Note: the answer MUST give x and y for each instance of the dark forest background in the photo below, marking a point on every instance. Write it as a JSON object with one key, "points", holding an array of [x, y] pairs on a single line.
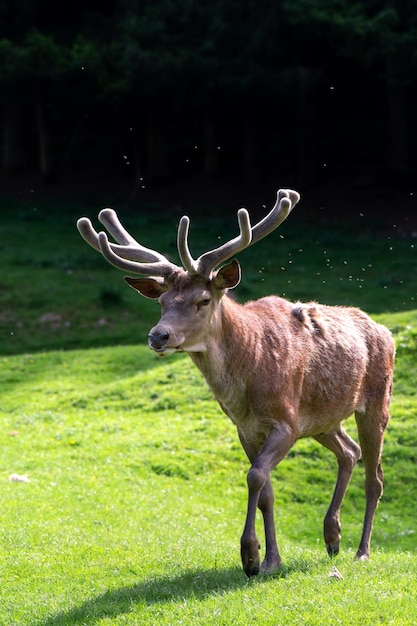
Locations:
{"points": [[155, 92]]}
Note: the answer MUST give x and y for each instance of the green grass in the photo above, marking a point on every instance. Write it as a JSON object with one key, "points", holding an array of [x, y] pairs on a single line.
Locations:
{"points": [[51, 270], [137, 483]]}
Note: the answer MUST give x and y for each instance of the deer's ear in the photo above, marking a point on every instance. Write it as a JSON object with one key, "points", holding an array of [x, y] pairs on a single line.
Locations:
{"points": [[148, 287], [228, 276]]}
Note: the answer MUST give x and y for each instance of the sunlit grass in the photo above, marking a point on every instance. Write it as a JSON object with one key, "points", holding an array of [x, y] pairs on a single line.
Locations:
{"points": [[136, 499], [136, 489]]}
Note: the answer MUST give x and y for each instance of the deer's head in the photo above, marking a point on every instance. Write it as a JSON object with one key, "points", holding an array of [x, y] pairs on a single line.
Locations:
{"points": [[188, 295]]}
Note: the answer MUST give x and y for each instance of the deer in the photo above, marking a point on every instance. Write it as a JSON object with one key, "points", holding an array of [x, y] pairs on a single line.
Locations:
{"points": [[279, 370]]}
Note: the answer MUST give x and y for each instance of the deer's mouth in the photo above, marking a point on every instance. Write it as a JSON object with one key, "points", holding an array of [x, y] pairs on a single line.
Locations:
{"points": [[166, 351]]}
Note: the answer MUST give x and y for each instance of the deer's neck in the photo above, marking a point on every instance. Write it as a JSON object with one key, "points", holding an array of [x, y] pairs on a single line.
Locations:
{"points": [[233, 339]]}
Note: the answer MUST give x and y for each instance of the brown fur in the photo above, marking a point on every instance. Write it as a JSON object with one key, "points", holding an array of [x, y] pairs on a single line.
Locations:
{"points": [[282, 371]]}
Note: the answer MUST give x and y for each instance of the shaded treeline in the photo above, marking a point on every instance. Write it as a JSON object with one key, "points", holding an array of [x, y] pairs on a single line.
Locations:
{"points": [[177, 89]]}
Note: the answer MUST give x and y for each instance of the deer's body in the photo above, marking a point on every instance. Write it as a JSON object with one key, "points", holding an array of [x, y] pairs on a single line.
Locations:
{"points": [[279, 370], [273, 353]]}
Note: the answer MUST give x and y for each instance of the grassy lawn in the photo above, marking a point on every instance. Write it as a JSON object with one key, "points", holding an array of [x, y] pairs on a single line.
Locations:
{"points": [[136, 489]]}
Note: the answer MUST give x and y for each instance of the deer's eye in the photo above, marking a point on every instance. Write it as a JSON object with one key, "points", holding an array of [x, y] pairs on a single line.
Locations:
{"points": [[204, 302]]}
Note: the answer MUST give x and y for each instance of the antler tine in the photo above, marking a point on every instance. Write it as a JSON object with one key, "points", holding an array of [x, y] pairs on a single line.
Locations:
{"points": [[129, 254], [162, 267], [88, 233], [131, 248], [109, 219], [182, 244], [286, 201], [208, 261]]}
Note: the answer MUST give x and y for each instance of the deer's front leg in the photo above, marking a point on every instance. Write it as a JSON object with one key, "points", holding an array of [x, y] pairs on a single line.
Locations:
{"points": [[276, 446]]}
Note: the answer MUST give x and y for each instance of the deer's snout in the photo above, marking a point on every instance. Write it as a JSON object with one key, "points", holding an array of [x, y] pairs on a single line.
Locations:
{"points": [[158, 339]]}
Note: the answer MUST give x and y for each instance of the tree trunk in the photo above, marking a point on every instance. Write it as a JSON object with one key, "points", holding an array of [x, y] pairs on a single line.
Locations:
{"points": [[251, 160], [44, 141], [397, 107], [14, 153], [156, 147], [305, 126], [210, 165]]}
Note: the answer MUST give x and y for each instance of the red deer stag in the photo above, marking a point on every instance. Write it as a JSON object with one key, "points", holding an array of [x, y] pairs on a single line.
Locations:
{"points": [[279, 370]]}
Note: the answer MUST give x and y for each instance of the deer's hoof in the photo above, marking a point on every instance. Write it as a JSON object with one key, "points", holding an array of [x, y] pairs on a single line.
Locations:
{"points": [[250, 557], [270, 566], [333, 548], [251, 568]]}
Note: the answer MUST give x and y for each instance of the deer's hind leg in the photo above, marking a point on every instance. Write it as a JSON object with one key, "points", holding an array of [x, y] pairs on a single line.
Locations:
{"points": [[371, 428], [347, 453]]}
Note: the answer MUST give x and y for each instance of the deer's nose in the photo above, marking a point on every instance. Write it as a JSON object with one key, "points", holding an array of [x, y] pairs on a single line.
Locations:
{"points": [[158, 340]]}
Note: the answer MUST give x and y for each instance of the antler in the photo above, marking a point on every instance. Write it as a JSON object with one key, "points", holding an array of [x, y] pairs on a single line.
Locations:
{"points": [[205, 264], [129, 255]]}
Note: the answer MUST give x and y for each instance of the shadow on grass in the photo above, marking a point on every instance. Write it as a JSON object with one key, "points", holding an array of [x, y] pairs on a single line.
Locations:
{"points": [[196, 584]]}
